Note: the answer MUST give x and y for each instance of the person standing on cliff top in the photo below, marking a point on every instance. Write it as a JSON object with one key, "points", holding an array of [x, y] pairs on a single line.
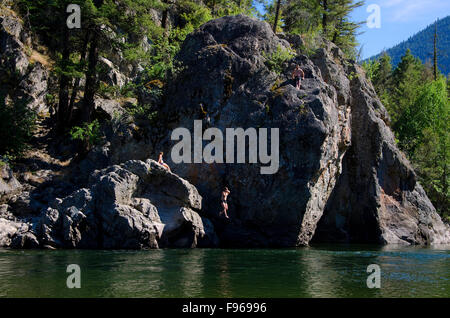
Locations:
{"points": [[161, 162], [225, 193], [296, 75]]}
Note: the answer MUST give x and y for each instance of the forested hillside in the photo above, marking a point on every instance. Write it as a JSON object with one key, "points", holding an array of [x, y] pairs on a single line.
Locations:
{"points": [[127, 49], [421, 46]]}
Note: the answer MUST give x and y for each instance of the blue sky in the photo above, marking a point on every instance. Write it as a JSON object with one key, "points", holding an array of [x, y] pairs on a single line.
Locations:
{"points": [[400, 19]]}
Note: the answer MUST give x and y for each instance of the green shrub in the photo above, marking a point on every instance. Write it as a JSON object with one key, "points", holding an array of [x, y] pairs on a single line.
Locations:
{"points": [[89, 134], [16, 128], [108, 91], [275, 60], [128, 90], [311, 42], [143, 113]]}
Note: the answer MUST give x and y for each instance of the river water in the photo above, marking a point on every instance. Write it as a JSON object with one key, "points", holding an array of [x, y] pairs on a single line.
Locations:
{"points": [[320, 271]]}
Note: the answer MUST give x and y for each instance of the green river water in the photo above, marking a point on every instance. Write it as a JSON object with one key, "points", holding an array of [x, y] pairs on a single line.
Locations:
{"points": [[320, 271]]}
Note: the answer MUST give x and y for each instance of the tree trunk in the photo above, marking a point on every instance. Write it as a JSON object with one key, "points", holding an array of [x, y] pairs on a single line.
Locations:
{"points": [[165, 16], [63, 82], [91, 74], [325, 16], [336, 32], [335, 35], [91, 81], [77, 81], [277, 16]]}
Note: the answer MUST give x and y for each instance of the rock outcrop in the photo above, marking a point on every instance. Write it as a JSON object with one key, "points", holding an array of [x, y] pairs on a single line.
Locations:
{"points": [[8, 183], [110, 74], [377, 198], [134, 205], [24, 78], [338, 160]]}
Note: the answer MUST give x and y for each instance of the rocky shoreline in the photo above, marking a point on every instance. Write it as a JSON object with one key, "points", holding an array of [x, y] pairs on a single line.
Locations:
{"points": [[133, 206]]}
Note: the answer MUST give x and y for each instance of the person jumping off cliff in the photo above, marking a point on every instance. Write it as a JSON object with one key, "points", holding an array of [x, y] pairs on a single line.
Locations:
{"points": [[296, 75], [161, 162], [225, 193]]}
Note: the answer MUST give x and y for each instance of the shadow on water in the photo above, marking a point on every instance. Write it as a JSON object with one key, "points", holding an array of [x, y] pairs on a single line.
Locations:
{"points": [[318, 271]]}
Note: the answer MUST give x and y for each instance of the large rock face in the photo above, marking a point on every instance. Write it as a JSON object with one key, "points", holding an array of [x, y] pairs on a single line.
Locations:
{"points": [[377, 198], [337, 155], [22, 78], [13, 37], [135, 205]]}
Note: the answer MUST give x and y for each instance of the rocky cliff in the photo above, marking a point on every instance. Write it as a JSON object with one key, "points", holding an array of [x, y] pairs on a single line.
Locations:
{"points": [[341, 177], [22, 73]]}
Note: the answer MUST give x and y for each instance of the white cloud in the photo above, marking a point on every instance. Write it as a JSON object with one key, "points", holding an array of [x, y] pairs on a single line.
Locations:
{"points": [[390, 3], [411, 10]]}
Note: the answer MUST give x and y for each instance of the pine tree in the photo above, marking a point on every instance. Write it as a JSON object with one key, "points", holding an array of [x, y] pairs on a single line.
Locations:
{"points": [[47, 19], [382, 75], [301, 16], [105, 26], [277, 15], [343, 31], [65, 76], [273, 13], [406, 80], [229, 7], [326, 11], [332, 16]]}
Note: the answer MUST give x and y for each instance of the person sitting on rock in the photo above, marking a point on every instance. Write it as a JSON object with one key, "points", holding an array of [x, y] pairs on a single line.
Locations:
{"points": [[161, 162], [296, 75], [225, 193]]}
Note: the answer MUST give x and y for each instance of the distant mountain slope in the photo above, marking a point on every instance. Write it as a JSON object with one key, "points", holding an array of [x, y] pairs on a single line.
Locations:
{"points": [[421, 45]]}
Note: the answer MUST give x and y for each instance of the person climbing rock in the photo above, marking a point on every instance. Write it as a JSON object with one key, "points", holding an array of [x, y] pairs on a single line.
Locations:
{"points": [[296, 75], [162, 163], [225, 193]]}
